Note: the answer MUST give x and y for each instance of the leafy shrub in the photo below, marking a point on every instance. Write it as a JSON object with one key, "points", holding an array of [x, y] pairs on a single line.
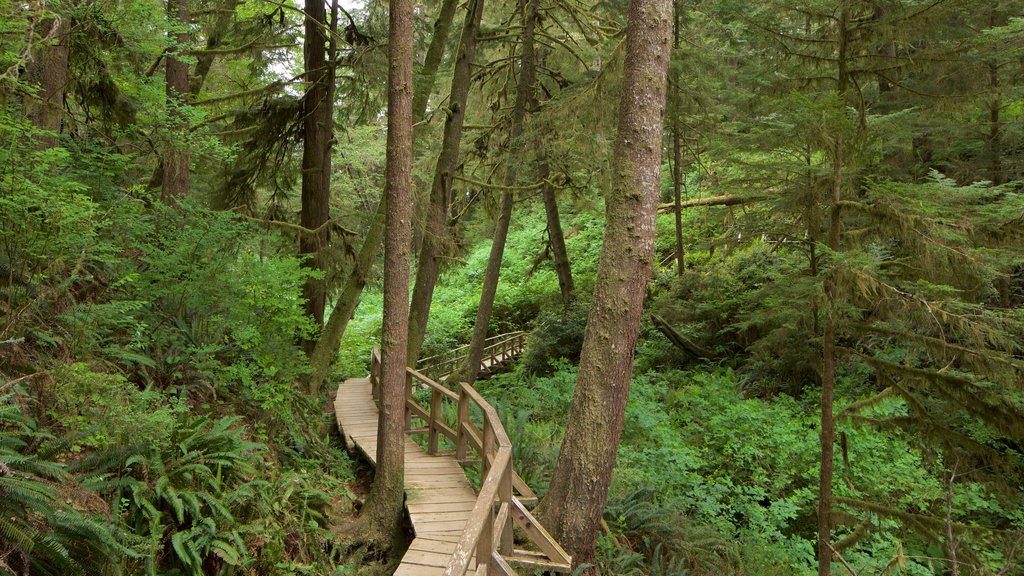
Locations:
{"points": [[558, 334]]}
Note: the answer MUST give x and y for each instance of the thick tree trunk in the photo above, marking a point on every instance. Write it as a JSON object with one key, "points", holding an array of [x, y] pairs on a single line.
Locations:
{"points": [[176, 156], [316, 130], [48, 70], [524, 94], [383, 510], [575, 501], [555, 237], [429, 266]]}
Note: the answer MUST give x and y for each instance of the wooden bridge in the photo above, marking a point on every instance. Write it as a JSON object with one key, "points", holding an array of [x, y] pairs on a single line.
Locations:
{"points": [[458, 531], [497, 351]]}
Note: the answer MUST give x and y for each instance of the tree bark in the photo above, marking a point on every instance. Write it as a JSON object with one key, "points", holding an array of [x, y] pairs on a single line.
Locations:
{"points": [[555, 236], [579, 487], [429, 265], [330, 337], [435, 53], [316, 144], [48, 70], [524, 94], [828, 378], [176, 156], [383, 510], [677, 156]]}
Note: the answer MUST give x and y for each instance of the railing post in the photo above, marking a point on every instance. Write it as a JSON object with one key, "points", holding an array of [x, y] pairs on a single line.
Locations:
{"points": [[485, 448], [460, 425], [435, 417], [506, 544], [408, 399], [375, 375], [485, 546]]}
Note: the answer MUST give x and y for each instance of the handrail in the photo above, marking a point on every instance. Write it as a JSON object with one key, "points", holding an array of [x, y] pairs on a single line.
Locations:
{"points": [[488, 533], [498, 349]]}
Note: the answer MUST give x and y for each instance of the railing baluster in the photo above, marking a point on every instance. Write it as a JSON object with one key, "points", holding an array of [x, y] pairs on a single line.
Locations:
{"points": [[435, 417], [408, 399], [485, 453], [505, 544], [461, 435]]}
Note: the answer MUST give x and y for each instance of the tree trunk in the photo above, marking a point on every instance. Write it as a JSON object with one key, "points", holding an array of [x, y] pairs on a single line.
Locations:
{"points": [[316, 129], [48, 70], [383, 510], [429, 266], [524, 94], [995, 138], [204, 62], [435, 53], [555, 237], [176, 157], [677, 185], [677, 156], [579, 487], [828, 378], [330, 338]]}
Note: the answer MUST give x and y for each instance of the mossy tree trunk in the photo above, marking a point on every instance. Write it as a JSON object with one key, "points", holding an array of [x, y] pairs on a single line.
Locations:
{"points": [[575, 501], [432, 250], [48, 71], [524, 94], [560, 256], [383, 510], [176, 157]]}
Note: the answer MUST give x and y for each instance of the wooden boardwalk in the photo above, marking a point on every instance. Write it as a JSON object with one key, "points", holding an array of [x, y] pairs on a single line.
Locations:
{"points": [[454, 525], [438, 495]]}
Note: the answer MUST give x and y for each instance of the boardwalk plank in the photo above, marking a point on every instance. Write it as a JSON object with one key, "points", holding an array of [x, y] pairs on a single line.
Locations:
{"points": [[438, 495]]}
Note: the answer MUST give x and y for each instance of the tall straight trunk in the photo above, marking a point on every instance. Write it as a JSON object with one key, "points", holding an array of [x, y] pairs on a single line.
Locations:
{"points": [[828, 378], [555, 236], [383, 510], [176, 156], [432, 251], [316, 129], [490, 288], [677, 156], [435, 53], [330, 337], [995, 138], [48, 71], [575, 501], [677, 186], [524, 94], [204, 62]]}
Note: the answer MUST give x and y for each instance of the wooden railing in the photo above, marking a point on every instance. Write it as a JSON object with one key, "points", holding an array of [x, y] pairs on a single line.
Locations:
{"points": [[497, 349], [502, 502]]}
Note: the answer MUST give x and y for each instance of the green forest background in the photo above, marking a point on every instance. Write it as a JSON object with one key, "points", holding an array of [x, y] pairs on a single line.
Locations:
{"points": [[154, 410]]}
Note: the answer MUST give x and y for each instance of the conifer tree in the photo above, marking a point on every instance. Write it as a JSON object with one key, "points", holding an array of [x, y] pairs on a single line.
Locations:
{"points": [[575, 501]]}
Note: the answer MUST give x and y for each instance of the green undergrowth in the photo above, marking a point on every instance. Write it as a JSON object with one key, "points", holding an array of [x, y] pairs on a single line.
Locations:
{"points": [[149, 366]]}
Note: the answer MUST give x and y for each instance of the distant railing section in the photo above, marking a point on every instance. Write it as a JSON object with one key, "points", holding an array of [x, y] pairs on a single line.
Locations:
{"points": [[487, 540], [497, 349]]}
